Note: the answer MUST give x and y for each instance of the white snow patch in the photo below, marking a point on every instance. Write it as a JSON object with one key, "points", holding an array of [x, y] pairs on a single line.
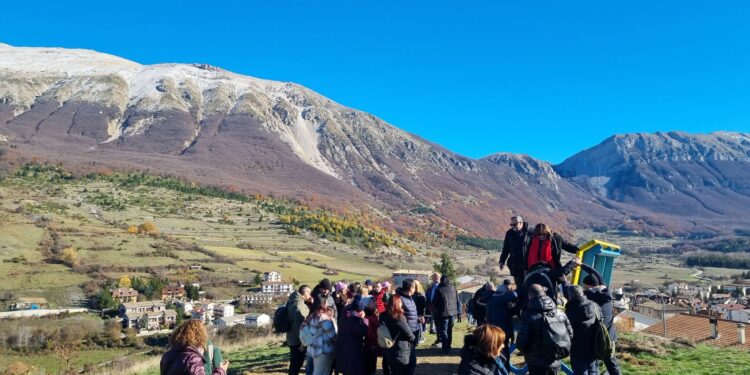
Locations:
{"points": [[304, 138]]}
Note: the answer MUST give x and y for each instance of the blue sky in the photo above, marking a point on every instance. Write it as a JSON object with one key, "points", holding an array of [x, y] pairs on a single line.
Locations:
{"points": [[545, 78]]}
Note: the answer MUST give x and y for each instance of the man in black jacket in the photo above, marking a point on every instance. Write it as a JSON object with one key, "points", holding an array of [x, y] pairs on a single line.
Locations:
{"points": [[532, 331], [445, 308], [582, 315], [514, 249], [597, 292]]}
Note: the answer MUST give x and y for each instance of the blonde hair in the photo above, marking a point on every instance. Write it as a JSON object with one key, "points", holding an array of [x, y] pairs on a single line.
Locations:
{"points": [[190, 333], [418, 286], [490, 340], [363, 291]]}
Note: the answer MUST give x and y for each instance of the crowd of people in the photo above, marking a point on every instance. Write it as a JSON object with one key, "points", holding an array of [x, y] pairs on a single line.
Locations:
{"points": [[346, 328]]}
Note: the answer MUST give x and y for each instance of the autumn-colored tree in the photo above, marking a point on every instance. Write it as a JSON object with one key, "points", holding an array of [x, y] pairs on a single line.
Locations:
{"points": [[133, 229], [69, 256], [125, 282], [148, 228]]}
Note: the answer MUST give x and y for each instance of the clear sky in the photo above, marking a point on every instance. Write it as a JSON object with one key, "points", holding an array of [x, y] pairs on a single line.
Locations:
{"points": [[544, 78]]}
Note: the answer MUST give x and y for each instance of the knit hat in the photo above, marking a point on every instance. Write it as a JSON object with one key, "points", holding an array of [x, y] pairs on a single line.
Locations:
{"points": [[325, 284], [340, 286], [575, 292], [368, 282], [506, 282], [590, 280], [386, 284]]}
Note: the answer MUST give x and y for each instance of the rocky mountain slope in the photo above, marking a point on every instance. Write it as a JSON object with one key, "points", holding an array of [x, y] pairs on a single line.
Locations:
{"points": [[95, 111], [705, 177]]}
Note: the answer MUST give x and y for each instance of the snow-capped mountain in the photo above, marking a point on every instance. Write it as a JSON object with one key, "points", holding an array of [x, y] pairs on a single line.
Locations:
{"points": [[93, 111]]}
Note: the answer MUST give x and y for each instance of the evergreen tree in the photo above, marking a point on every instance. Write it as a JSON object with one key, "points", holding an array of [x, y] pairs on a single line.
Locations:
{"points": [[446, 267]]}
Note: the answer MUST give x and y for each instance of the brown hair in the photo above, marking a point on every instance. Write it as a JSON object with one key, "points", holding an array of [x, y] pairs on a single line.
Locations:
{"points": [[542, 229], [190, 333], [490, 340], [395, 308]]}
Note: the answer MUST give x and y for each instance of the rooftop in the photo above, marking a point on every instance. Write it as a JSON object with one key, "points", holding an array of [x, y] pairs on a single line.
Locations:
{"points": [[733, 306], [667, 307], [413, 272], [132, 305], [697, 328]]}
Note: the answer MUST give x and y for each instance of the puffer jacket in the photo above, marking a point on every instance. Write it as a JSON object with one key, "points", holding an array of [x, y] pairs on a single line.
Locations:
{"points": [[558, 245], [410, 310], [602, 297], [475, 363], [180, 360], [323, 332], [500, 310], [531, 331], [298, 311], [402, 334], [582, 315]]}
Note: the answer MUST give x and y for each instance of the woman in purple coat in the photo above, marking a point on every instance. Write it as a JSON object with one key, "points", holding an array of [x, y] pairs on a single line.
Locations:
{"points": [[185, 357], [350, 351]]}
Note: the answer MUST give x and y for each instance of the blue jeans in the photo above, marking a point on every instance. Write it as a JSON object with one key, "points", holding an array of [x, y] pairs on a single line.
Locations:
{"points": [[445, 332], [613, 367], [584, 366]]}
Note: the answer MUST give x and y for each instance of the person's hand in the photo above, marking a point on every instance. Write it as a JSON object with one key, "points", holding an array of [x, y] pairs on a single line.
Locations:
{"points": [[502, 266], [421, 320], [577, 261], [224, 365]]}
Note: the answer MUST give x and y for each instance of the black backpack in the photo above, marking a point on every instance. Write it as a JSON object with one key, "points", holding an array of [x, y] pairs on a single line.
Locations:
{"points": [[604, 348], [281, 323], [555, 338]]}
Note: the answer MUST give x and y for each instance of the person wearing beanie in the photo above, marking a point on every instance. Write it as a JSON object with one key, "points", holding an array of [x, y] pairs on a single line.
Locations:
{"points": [[324, 289], [350, 344], [595, 290], [582, 315]]}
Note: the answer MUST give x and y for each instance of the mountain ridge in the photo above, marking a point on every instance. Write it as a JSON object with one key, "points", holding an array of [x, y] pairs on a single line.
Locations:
{"points": [[218, 127]]}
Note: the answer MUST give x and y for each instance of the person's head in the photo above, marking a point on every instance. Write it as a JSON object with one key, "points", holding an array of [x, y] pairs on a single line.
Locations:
{"points": [[377, 287], [359, 303], [320, 305], [368, 284], [541, 230], [435, 277], [363, 291], [489, 340], [325, 286], [340, 286], [190, 333], [504, 287], [305, 291], [444, 280], [590, 282], [489, 286], [407, 286], [418, 287], [536, 290], [516, 223], [575, 293], [386, 286], [395, 307]]}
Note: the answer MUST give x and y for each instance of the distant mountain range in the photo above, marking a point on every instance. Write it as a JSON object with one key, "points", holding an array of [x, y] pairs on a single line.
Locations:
{"points": [[94, 111]]}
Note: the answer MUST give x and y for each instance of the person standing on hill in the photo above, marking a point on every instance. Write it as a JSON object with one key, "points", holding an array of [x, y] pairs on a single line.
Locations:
{"points": [[412, 319], [350, 343], [421, 302], [318, 334], [597, 292], [399, 356], [479, 302], [297, 311], [185, 356], [545, 248], [539, 322], [500, 310], [430, 294], [582, 315], [445, 309], [379, 295], [372, 350], [514, 249]]}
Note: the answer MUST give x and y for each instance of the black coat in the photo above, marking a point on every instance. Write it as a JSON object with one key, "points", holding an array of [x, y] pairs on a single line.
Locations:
{"points": [[479, 305], [558, 245], [603, 298], [514, 249], [474, 362], [421, 302], [403, 337], [350, 348], [445, 303], [531, 331], [582, 315]]}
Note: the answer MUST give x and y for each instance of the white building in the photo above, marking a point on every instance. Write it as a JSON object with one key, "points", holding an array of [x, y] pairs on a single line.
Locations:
{"points": [[400, 275], [229, 321], [277, 287], [735, 312], [272, 276], [223, 311], [638, 321], [257, 299], [257, 320], [147, 315]]}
